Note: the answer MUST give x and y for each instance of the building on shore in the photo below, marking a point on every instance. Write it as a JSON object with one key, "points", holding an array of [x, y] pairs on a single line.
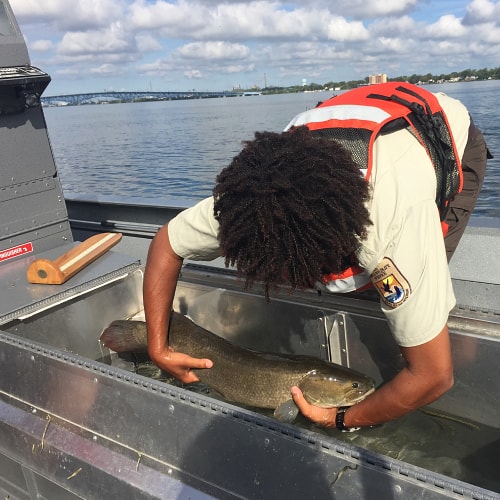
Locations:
{"points": [[380, 78]]}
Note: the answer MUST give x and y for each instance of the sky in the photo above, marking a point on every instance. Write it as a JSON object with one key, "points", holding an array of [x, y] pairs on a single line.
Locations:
{"points": [[178, 45]]}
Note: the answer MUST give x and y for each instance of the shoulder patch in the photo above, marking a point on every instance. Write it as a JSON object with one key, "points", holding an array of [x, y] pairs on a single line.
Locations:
{"points": [[390, 283]]}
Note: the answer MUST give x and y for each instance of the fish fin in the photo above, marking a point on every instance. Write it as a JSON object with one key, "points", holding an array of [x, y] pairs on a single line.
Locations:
{"points": [[202, 388], [286, 412], [121, 336]]}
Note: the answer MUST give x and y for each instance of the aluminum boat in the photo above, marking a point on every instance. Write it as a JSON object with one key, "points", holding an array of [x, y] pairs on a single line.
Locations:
{"points": [[78, 421]]}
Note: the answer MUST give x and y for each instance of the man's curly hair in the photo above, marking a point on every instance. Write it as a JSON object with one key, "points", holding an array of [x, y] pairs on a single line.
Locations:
{"points": [[290, 207]]}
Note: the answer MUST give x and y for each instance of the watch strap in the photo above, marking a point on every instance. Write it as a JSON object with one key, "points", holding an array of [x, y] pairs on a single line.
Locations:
{"points": [[339, 420]]}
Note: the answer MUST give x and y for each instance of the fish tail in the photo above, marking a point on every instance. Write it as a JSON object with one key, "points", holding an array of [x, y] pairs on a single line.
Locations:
{"points": [[125, 336]]}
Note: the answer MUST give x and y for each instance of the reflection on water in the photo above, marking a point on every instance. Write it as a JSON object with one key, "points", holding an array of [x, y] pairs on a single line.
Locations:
{"points": [[442, 443], [176, 148]]}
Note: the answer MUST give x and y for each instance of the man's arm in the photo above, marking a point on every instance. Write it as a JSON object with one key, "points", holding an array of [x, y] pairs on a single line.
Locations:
{"points": [[160, 281], [427, 376]]}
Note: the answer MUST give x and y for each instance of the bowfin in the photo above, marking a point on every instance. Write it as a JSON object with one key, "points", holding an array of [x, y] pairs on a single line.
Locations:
{"points": [[286, 412]]}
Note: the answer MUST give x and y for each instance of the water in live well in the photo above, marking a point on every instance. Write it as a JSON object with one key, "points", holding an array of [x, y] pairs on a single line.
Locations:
{"points": [[446, 444], [176, 148]]}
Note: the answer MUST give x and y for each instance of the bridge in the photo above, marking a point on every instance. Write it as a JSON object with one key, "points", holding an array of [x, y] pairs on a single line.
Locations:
{"points": [[112, 96]]}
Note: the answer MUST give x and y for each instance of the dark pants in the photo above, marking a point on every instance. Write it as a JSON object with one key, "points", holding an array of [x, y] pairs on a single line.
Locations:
{"points": [[460, 208]]}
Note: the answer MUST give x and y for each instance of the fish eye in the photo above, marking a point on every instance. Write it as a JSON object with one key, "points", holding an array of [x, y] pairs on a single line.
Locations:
{"points": [[355, 385]]}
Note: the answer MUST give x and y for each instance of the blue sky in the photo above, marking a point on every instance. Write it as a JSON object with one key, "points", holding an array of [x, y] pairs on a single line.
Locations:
{"points": [[96, 45]]}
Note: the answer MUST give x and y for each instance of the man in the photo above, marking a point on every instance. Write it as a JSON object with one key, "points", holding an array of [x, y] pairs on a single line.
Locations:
{"points": [[367, 182]]}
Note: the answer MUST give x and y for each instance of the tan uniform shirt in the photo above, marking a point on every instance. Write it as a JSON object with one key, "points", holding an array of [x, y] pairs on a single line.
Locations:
{"points": [[404, 250]]}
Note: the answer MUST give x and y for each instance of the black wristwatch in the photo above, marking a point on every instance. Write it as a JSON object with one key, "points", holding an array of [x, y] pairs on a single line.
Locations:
{"points": [[339, 421]]}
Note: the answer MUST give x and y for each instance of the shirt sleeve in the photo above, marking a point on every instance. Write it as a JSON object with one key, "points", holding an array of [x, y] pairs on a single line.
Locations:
{"points": [[413, 279], [193, 232], [404, 252]]}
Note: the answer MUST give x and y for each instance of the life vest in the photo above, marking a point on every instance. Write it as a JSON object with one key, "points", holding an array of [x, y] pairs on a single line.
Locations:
{"points": [[356, 118]]}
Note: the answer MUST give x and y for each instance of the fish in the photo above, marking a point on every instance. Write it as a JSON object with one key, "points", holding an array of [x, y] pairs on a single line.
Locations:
{"points": [[248, 377]]}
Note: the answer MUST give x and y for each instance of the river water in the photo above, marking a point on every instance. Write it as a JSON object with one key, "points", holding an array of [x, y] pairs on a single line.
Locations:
{"points": [[175, 149]]}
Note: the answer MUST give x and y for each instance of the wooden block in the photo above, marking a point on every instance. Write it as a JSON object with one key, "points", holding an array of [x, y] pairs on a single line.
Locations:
{"points": [[58, 271]]}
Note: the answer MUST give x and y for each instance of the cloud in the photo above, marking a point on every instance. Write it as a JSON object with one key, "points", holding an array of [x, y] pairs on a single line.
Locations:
{"points": [[373, 8], [113, 40], [193, 74], [389, 27], [42, 45], [161, 15], [105, 69], [447, 26], [213, 51], [482, 11], [353, 9], [69, 14], [147, 43], [241, 21], [321, 40], [159, 67]]}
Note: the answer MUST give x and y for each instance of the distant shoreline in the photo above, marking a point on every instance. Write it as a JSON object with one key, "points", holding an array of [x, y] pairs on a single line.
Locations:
{"points": [[117, 97]]}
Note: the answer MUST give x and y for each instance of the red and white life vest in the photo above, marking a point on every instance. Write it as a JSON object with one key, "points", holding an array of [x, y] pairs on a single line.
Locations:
{"points": [[357, 117]]}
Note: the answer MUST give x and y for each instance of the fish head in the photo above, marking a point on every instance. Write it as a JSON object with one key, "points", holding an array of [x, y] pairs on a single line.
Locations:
{"points": [[335, 386]]}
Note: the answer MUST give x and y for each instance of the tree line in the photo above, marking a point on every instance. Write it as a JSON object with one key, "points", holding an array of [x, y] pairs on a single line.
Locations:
{"points": [[429, 78]]}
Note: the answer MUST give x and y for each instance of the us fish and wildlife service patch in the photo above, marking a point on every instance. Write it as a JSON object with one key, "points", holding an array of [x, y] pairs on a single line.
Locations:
{"points": [[390, 283]]}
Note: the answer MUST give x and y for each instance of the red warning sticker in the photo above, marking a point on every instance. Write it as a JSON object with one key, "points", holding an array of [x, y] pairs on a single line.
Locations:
{"points": [[10, 253]]}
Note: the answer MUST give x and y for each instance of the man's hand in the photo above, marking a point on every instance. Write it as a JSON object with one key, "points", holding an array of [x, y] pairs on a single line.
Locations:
{"points": [[181, 365], [321, 416], [427, 375], [160, 280]]}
